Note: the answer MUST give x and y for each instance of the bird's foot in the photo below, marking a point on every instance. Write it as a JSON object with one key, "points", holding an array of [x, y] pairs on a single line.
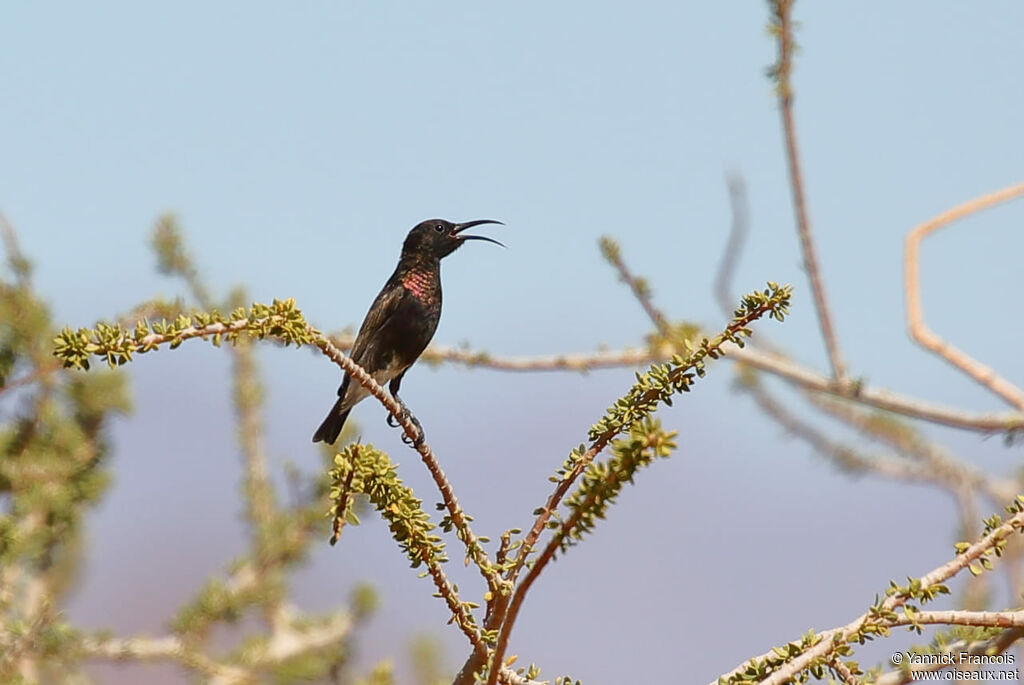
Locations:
{"points": [[414, 443], [406, 414]]}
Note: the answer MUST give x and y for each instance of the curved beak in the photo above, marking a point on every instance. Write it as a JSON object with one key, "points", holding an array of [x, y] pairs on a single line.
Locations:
{"points": [[459, 228]]}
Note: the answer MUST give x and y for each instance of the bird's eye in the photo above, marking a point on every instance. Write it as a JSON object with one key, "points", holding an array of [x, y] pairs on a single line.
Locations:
{"points": [[439, 228]]}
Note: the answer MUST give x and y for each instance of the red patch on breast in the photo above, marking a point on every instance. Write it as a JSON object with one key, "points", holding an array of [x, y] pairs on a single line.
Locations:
{"points": [[419, 284]]}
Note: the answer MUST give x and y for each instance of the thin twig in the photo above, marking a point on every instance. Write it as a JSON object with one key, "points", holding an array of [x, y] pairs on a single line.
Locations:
{"points": [[827, 641], [915, 315], [738, 231], [844, 672], [843, 456], [984, 619], [782, 71], [639, 288]]}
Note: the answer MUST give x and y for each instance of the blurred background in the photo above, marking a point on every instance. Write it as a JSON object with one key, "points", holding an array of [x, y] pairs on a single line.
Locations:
{"points": [[298, 145]]}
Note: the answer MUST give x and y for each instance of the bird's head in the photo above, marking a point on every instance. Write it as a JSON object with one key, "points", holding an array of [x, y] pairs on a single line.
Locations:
{"points": [[439, 238]]}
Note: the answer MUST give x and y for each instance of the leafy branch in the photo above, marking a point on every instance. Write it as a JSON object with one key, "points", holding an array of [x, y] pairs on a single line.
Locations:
{"points": [[363, 469], [815, 654], [652, 389]]}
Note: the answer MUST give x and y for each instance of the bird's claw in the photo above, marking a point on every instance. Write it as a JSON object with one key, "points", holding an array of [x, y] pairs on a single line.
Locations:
{"points": [[415, 444], [406, 414]]}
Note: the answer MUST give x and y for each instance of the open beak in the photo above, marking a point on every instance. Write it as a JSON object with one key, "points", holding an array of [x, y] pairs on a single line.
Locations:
{"points": [[459, 228]]}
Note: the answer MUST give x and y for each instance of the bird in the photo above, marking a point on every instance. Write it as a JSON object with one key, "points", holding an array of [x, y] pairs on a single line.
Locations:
{"points": [[402, 320]]}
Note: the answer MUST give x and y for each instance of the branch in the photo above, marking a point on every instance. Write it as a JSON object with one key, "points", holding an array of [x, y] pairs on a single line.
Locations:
{"points": [[366, 470], [982, 619], [844, 672], [933, 466], [991, 647], [408, 422], [940, 466], [808, 379], [280, 321], [167, 648], [657, 387], [738, 231], [879, 397], [781, 667], [642, 292], [782, 28], [915, 315]]}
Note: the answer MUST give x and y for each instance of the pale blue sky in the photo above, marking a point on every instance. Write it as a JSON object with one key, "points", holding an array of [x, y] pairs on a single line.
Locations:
{"points": [[298, 144]]}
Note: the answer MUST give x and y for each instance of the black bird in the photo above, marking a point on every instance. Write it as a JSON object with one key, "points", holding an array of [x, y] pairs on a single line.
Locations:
{"points": [[402, 319]]}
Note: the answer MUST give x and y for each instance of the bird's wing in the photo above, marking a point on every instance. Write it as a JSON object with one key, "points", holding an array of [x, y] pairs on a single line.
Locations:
{"points": [[387, 303]]}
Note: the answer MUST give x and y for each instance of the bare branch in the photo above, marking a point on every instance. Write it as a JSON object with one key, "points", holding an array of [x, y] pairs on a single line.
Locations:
{"points": [[915, 315], [996, 645], [782, 71], [738, 231], [169, 649], [639, 287], [827, 642], [879, 397], [984, 619]]}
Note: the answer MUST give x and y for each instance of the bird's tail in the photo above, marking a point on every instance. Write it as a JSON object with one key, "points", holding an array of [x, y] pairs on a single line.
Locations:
{"points": [[331, 427]]}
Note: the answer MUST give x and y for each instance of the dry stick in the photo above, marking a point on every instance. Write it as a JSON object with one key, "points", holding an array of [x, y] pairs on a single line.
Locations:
{"points": [[783, 72], [581, 362], [738, 231], [989, 422], [828, 639], [982, 619], [915, 315]]}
